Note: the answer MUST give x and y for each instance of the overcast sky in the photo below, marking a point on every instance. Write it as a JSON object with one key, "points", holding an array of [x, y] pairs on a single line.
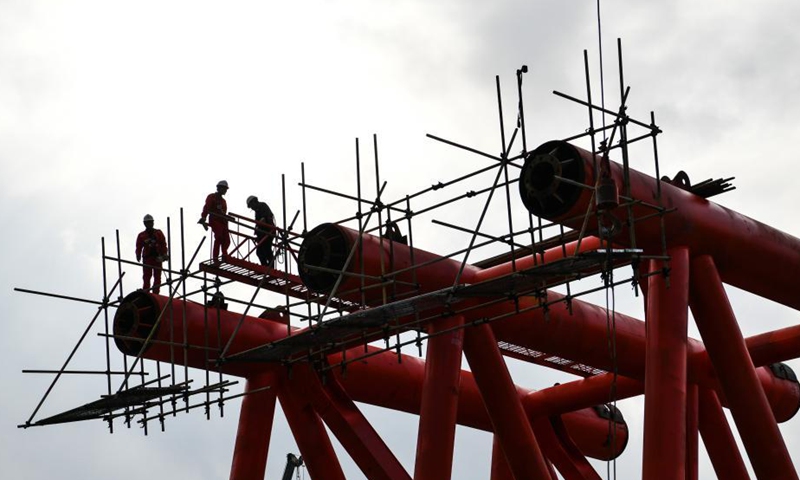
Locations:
{"points": [[110, 110]]}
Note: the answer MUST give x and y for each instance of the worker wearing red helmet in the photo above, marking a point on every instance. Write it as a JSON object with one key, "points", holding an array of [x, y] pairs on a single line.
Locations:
{"points": [[151, 250], [216, 209]]}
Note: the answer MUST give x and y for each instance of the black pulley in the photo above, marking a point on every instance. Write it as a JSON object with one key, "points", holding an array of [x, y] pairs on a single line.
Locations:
{"points": [[607, 195]]}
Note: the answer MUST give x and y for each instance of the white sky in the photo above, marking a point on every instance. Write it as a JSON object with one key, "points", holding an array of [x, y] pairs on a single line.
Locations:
{"points": [[110, 110]]}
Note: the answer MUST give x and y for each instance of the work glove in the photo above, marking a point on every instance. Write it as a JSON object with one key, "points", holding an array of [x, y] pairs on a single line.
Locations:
{"points": [[203, 223], [138, 258]]}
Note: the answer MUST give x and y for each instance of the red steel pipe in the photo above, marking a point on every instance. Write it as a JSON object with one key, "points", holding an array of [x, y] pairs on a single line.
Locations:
{"points": [[346, 421], [312, 439], [499, 469], [578, 337], [379, 380], [585, 343], [692, 440], [718, 439], [726, 348], [255, 429], [561, 451], [747, 252], [439, 408], [667, 314], [503, 405], [326, 248], [581, 337]]}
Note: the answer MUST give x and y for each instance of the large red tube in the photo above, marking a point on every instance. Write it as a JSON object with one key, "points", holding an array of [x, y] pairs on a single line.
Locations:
{"points": [[312, 439], [718, 439], [326, 248], [503, 405], [745, 250], [379, 380], [346, 421], [726, 348], [665, 370], [581, 337], [692, 440], [255, 429], [439, 408], [499, 470]]}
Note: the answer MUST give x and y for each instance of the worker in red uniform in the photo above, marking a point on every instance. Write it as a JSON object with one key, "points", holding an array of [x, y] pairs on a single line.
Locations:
{"points": [[151, 250], [216, 209]]}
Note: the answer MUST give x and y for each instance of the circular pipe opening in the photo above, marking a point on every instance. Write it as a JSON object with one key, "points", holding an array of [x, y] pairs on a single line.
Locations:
{"points": [[541, 184], [135, 318], [542, 176], [325, 248]]}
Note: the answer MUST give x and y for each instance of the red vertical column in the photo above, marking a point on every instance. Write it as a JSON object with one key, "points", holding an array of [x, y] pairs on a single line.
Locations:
{"points": [[311, 437], [503, 404], [737, 375], [692, 440], [718, 439], [439, 407], [666, 315], [255, 429]]}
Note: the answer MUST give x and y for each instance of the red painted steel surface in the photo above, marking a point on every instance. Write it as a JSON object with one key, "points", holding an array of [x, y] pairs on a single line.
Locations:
{"points": [[665, 385], [726, 348], [582, 337], [503, 405], [379, 380], [749, 254], [347, 423], [499, 469], [692, 433], [561, 451], [718, 439], [439, 407], [312, 439], [255, 429], [333, 243]]}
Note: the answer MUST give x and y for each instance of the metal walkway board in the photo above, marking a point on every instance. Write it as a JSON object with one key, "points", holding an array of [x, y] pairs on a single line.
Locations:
{"points": [[270, 279], [137, 396]]}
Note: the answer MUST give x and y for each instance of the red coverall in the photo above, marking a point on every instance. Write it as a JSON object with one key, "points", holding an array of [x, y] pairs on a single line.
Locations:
{"points": [[216, 208], [150, 247]]}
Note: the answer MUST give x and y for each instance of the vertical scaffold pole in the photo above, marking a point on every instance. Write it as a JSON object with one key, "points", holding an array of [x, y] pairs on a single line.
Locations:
{"points": [[254, 431], [664, 452], [439, 406], [737, 375]]}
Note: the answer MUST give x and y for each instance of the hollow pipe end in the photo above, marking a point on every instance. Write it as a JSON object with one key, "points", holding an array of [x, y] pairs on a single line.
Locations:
{"points": [[541, 182]]}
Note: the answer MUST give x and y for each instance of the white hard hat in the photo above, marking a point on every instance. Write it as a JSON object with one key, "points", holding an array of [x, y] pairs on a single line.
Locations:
{"points": [[251, 198], [222, 183], [148, 218]]}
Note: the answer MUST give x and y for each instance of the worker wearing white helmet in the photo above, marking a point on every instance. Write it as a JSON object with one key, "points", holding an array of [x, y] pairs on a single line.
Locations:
{"points": [[216, 209], [264, 230], [151, 250]]}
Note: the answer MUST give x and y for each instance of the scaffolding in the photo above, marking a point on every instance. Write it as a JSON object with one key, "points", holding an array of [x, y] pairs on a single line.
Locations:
{"points": [[368, 309]]}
